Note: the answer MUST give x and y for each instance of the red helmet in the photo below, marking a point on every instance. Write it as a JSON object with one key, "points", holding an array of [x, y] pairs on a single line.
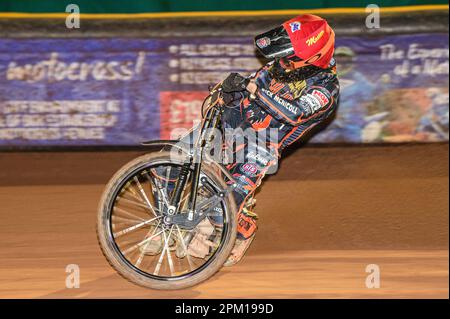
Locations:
{"points": [[303, 40]]}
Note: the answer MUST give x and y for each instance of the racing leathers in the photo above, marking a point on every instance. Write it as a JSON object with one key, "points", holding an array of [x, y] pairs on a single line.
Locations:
{"points": [[291, 108]]}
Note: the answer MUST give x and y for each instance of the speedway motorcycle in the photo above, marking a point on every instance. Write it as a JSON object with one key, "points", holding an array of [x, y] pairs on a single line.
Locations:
{"points": [[177, 195]]}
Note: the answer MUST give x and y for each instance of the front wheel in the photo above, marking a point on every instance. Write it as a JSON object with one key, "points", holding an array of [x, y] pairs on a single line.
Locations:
{"points": [[154, 248]]}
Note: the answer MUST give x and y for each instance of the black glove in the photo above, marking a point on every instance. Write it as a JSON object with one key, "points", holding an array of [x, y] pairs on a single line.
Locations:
{"points": [[234, 83], [230, 97]]}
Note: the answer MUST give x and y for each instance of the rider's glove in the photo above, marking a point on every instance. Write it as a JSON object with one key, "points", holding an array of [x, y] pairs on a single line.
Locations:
{"points": [[232, 97], [235, 83]]}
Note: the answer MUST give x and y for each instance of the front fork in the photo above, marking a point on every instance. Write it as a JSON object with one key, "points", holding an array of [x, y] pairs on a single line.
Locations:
{"points": [[211, 121]]}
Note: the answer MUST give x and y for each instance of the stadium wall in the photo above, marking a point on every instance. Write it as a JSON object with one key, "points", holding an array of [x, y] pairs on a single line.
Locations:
{"points": [[117, 81], [139, 6]]}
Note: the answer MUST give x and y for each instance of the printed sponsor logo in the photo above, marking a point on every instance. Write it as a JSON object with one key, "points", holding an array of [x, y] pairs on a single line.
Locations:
{"points": [[218, 210], [288, 106], [249, 168], [314, 39], [56, 69], [295, 26], [322, 98], [310, 103], [267, 92], [263, 42]]}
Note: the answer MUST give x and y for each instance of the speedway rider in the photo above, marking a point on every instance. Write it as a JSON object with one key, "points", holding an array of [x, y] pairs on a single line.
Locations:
{"points": [[293, 93]]}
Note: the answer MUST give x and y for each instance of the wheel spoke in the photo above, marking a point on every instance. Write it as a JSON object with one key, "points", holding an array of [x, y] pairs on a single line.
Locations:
{"points": [[144, 195], [121, 220], [130, 190], [188, 257], [134, 247], [161, 257], [135, 227], [142, 254], [169, 255], [121, 198], [157, 185], [131, 216]]}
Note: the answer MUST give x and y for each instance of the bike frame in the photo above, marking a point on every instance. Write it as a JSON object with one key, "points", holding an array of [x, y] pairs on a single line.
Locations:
{"points": [[193, 164]]}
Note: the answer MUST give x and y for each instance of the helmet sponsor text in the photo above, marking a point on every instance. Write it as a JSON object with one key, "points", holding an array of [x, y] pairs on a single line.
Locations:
{"points": [[314, 39]]}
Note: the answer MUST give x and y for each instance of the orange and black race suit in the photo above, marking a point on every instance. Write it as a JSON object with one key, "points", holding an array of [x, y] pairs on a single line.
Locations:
{"points": [[293, 109]]}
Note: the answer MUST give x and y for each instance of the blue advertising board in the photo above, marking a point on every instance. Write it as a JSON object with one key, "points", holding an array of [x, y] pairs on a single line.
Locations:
{"points": [[75, 92]]}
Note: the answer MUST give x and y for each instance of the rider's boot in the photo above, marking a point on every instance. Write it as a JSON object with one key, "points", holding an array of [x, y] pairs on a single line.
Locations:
{"points": [[200, 244], [152, 247], [155, 246], [181, 249], [245, 236]]}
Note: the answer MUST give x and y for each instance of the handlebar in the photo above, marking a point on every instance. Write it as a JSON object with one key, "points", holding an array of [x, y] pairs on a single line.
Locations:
{"points": [[233, 83]]}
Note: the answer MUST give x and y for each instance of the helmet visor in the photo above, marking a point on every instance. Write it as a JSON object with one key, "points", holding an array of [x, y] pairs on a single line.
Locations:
{"points": [[274, 43]]}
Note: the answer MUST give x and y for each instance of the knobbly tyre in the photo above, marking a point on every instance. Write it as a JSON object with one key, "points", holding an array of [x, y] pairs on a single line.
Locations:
{"points": [[179, 193]]}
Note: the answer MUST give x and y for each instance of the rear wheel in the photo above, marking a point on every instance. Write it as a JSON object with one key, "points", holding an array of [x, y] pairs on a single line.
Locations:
{"points": [[153, 248]]}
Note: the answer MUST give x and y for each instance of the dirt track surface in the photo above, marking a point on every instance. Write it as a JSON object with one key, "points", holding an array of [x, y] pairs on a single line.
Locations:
{"points": [[324, 217]]}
